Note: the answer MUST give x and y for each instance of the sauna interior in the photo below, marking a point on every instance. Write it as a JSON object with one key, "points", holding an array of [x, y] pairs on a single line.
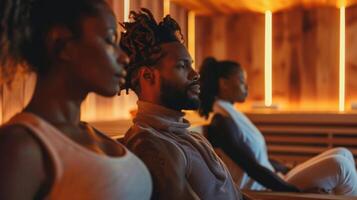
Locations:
{"points": [[301, 62]]}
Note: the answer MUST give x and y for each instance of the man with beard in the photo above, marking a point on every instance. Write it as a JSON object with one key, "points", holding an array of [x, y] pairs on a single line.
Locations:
{"points": [[183, 164]]}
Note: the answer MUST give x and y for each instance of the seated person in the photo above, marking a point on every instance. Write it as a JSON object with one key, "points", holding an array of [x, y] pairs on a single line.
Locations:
{"points": [[45, 151], [183, 164], [243, 148]]}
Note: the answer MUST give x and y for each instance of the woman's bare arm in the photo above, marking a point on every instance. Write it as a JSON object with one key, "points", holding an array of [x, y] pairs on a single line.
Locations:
{"points": [[22, 171]]}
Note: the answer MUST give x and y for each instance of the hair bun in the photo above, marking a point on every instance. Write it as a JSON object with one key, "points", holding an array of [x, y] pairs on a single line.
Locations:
{"points": [[209, 61]]}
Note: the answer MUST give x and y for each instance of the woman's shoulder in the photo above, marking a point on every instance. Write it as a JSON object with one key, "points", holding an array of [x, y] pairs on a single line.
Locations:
{"points": [[21, 159], [17, 136], [219, 120]]}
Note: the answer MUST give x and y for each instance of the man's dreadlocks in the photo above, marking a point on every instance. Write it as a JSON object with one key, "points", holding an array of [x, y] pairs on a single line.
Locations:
{"points": [[142, 39]]}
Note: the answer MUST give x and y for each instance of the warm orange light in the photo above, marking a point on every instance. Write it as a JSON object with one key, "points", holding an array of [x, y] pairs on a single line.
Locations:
{"points": [[268, 59], [88, 108], [126, 10], [166, 7], [1, 110], [191, 34], [342, 60]]}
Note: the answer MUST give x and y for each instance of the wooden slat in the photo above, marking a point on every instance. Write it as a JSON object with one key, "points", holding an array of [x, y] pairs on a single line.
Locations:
{"points": [[297, 140], [13, 98], [297, 150], [351, 60], [1, 104], [263, 195], [305, 54], [276, 129], [29, 87]]}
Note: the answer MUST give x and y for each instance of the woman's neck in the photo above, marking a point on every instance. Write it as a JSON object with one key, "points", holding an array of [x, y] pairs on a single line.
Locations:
{"points": [[56, 101], [225, 98]]}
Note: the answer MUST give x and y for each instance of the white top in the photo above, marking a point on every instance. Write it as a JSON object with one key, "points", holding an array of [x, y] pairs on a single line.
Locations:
{"points": [[82, 174], [252, 137]]}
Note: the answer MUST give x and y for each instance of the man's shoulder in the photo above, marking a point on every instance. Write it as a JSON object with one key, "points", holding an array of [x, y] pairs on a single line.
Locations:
{"points": [[139, 135], [137, 132]]}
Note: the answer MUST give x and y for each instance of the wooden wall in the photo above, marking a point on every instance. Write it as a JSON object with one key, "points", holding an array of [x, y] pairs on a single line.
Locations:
{"points": [[305, 54], [95, 108], [305, 58]]}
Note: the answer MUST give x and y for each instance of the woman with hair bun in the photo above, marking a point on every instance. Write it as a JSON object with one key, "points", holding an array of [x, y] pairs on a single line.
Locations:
{"points": [[243, 149]]}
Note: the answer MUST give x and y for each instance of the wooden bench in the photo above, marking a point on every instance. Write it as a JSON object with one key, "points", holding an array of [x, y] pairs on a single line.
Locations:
{"points": [[258, 195], [294, 138]]}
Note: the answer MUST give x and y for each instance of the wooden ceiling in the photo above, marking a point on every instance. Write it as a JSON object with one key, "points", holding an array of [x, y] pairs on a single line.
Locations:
{"points": [[209, 7]]}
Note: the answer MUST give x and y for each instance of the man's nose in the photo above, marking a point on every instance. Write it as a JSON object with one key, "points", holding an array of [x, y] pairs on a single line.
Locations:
{"points": [[195, 76]]}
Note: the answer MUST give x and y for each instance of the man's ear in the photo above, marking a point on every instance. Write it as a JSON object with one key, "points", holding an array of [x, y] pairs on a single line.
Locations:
{"points": [[57, 43], [147, 74]]}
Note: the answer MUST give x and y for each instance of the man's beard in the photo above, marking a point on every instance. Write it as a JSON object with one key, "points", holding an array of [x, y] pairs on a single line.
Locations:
{"points": [[177, 98]]}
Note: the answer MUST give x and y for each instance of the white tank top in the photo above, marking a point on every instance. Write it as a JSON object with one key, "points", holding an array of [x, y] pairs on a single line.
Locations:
{"points": [[252, 137], [82, 174]]}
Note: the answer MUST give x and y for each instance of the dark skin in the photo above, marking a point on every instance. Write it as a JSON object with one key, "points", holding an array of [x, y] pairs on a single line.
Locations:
{"points": [[26, 170], [175, 68], [169, 175]]}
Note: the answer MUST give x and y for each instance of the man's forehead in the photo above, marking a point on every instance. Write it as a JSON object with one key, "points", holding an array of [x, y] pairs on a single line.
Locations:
{"points": [[176, 50]]}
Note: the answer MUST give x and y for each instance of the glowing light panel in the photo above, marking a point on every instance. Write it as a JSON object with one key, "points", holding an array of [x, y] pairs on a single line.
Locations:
{"points": [[191, 34], [342, 60], [166, 7], [126, 10], [268, 59]]}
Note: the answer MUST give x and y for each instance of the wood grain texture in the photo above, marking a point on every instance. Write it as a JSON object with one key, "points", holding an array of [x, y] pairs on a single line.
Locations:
{"points": [[212, 7], [95, 108], [305, 53], [13, 98], [351, 55]]}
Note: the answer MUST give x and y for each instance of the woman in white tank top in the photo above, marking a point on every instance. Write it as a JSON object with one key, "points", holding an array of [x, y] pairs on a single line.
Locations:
{"points": [[242, 147], [45, 151]]}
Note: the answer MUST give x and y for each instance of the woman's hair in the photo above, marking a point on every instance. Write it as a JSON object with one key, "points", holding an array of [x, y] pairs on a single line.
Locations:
{"points": [[211, 71], [142, 39], [24, 28]]}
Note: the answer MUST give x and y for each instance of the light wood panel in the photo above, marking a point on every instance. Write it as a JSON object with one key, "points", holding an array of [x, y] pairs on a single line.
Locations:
{"points": [[13, 98], [211, 7], [305, 54], [239, 38], [95, 107], [351, 56]]}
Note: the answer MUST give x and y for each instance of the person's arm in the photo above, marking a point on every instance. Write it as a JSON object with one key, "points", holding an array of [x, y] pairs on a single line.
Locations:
{"points": [[226, 134], [22, 170], [279, 167], [166, 166]]}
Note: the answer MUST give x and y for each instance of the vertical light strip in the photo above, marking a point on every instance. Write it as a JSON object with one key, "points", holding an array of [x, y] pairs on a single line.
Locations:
{"points": [[342, 59], [191, 34], [88, 108], [166, 7], [268, 59], [126, 10]]}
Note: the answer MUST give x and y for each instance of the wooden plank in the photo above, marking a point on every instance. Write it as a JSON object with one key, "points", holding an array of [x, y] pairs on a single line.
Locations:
{"points": [[118, 8], [297, 140], [263, 195], [212, 7], [13, 98], [180, 15], [29, 87], [351, 61], [1, 104], [296, 150], [282, 130]]}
